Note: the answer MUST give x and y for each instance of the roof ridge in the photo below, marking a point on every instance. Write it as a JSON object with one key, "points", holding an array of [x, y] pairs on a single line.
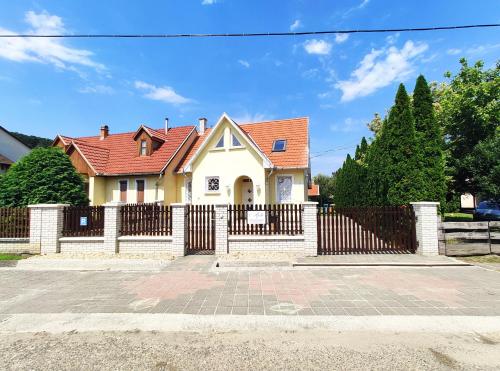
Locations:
{"points": [[128, 132], [268, 121]]}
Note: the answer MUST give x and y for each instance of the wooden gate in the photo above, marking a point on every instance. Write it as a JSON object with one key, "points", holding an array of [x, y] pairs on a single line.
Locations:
{"points": [[366, 230], [200, 222]]}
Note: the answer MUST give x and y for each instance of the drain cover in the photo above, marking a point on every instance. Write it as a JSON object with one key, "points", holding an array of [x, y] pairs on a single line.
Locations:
{"points": [[286, 308]]}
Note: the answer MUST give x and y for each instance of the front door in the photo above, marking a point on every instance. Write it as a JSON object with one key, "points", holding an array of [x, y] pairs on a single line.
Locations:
{"points": [[247, 192]]}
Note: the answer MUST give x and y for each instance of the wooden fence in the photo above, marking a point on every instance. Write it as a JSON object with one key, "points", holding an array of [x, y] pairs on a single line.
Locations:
{"points": [[83, 221], [14, 222], [282, 219], [469, 238], [146, 220], [366, 230]]}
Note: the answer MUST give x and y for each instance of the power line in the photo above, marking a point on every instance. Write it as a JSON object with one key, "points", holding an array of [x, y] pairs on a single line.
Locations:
{"points": [[261, 34], [321, 153]]}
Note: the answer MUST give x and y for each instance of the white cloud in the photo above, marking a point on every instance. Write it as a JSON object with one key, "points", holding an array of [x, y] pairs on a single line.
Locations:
{"points": [[453, 51], [360, 6], [320, 47], [363, 4], [164, 93], [379, 68], [208, 2], [349, 125], [483, 49], [96, 89], [244, 63], [45, 50], [341, 37], [247, 117], [296, 25]]}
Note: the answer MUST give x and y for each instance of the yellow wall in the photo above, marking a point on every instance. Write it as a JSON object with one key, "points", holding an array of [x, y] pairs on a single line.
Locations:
{"points": [[228, 164], [107, 189], [97, 190]]}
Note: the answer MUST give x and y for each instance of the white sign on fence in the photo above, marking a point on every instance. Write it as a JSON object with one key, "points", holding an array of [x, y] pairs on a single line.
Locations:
{"points": [[256, 217]]}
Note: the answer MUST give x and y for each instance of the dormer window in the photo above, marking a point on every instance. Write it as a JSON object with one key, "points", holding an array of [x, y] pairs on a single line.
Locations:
{"points": [[144, 148], [220, 143], [279, 145], [235, 141]]}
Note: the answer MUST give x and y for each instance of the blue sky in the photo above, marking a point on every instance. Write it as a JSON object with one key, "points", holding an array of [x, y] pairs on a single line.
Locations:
{"points": [[73, 86]]}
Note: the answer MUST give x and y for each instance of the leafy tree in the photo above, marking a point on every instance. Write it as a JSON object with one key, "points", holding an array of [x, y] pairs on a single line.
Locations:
{"points": [[401, 154], [45, 175], [430, 141], [32, 141], [468, 109], [326, 187], [375, 125], [484, 164]]}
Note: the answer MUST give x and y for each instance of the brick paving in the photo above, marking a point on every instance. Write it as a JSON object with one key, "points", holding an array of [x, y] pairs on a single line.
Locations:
{"points": [[192, 285]]}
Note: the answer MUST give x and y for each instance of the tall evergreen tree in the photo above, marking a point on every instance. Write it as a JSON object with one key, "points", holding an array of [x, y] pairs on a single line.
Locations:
{"points": [[430, 141], [401, 152]]}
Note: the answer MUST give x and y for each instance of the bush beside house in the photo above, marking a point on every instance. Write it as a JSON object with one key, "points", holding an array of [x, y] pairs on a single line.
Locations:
{"points": [[45, 175]]}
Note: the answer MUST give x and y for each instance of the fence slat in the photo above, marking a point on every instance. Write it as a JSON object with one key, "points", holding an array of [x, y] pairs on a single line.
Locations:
{"points": [[146, 220], [14, 222]]}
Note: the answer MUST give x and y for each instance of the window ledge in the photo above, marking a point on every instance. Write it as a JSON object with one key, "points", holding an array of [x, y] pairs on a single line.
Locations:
{"points": [[217, 149], [236, 148]]}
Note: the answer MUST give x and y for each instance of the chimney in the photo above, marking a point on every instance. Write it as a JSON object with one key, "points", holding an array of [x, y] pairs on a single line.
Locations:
{"points": [[166, 125], [104, 131], [203, 125]]}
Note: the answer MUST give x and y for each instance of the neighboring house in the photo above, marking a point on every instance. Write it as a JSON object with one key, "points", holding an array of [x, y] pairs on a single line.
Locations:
{"points": [[313, 193], [11, 149], [265, 162]]}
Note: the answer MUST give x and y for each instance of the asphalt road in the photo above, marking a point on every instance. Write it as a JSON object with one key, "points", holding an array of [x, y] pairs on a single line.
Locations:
{"points": [[269, 350]]}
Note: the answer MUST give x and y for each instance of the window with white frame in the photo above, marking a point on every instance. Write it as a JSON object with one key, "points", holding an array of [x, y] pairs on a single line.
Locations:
{"points": [[220, 143], [235, 141], [144, 148], [212, 184], [284, 188], [189, 191]]}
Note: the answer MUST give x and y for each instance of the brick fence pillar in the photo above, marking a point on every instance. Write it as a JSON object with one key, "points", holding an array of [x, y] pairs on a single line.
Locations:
{"points": [[309, 224], [179, 229], [427, 227], [221, 246], [46, 224], [112, 226]]}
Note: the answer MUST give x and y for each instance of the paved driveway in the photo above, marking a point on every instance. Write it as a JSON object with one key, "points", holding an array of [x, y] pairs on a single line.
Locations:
{"points": [[193, 285]]}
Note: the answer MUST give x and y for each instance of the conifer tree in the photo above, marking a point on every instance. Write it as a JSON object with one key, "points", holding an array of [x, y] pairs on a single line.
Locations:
{"points": [[401, 153], [430, 141]]}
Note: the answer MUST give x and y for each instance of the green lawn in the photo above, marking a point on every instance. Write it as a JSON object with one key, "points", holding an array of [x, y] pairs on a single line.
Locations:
{"points": [[10, 257], [457, 217]]}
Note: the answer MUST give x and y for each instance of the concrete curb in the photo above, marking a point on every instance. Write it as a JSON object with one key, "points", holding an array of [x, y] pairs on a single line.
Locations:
{"points": [[85, 322], [130, 265]]}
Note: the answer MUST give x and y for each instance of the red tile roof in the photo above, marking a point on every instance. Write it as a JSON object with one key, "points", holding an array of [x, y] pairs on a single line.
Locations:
{"points": [[314, 191], [117, 154], [5, 161], [294, 131]]}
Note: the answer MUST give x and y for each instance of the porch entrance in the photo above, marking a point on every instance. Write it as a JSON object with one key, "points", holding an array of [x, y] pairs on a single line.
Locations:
{"points": [[200, 223], [366, 230], [243, 191]]}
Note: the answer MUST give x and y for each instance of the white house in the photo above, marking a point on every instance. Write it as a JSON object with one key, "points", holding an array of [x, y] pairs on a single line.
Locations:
{"points": [[11, 149]]}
